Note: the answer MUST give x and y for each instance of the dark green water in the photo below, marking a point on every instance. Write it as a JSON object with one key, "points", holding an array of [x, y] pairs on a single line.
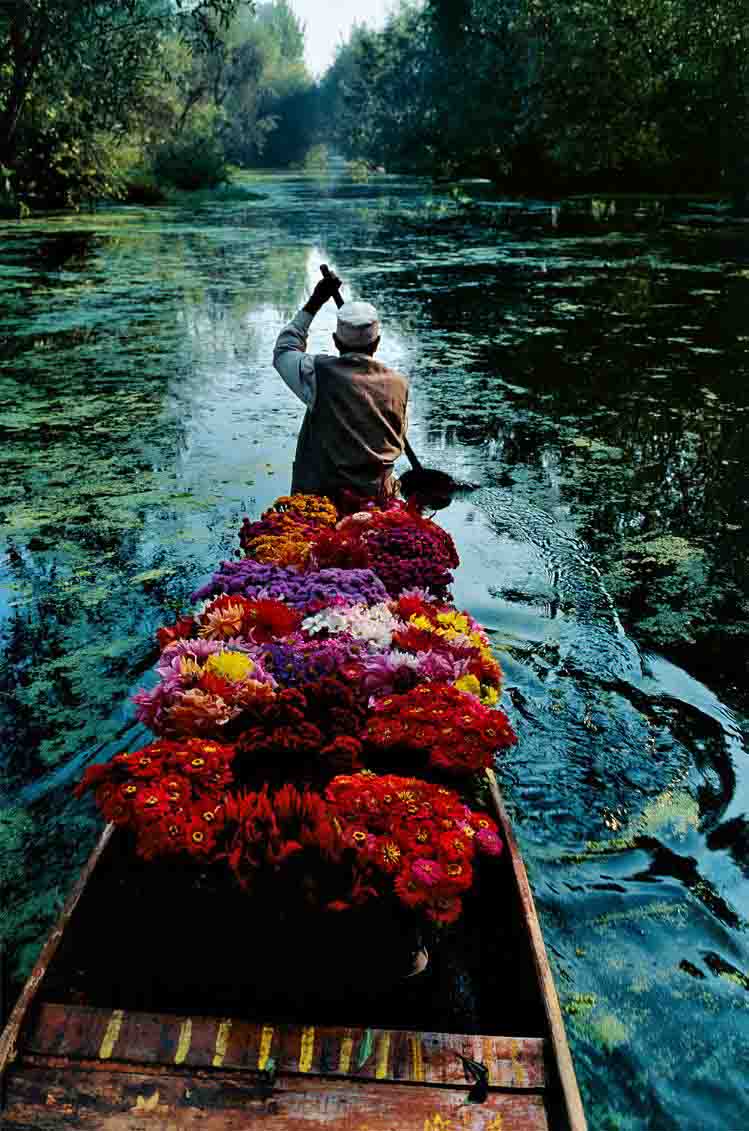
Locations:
{"points": [[594, 385]]}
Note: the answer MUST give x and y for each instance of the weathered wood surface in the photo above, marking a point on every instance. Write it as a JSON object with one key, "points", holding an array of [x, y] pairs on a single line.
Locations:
{"points": [[562, 1057], [52, 1097], [9, 1035], [86, 1033]]}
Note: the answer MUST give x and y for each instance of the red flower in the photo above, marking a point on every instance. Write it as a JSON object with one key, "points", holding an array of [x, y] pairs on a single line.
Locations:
{"points": [[436, 721], [176, 788], [200, 839], [92, 778], [458, 877], [183, 629], [150, 804], [147, 765], [406, 607], [444, 910], [213, 684], [271, 620]]}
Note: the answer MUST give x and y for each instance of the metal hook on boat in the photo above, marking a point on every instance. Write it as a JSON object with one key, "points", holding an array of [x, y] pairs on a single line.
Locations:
{"points": [[476, 1073]]}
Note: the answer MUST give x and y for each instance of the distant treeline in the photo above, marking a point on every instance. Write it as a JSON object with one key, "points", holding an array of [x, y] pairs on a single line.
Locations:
{"points": [[547, 95], [124, 97]]}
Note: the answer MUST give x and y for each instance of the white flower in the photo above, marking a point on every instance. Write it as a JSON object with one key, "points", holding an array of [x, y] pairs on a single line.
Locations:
{"points": [[374, 624]]}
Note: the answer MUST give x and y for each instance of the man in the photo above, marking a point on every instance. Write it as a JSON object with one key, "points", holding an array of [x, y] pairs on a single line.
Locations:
{"points": [[355, 424]]}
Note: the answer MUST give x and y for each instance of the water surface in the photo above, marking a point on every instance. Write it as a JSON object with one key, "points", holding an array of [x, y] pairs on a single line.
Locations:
{"points": [[594, 385]]}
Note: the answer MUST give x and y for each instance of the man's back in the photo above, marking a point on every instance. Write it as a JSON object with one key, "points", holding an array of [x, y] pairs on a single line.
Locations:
{"points": [[354, 432]]}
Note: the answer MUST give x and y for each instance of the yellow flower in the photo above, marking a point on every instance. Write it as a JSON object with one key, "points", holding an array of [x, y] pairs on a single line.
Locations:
{"points": [[232, 666], [316, 508], [283, 549], [489, 695], [470, 684], [456, 621], [188, 666]]}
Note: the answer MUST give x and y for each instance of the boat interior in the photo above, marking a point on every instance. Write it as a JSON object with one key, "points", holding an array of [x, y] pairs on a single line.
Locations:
{"points": [[147, 937]]}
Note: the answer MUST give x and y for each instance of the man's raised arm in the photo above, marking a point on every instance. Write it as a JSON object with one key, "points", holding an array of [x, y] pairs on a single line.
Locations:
{"points": [[295, 366]]}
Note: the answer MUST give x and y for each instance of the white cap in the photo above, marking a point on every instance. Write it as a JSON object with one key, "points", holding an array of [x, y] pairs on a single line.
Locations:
{"points": [[358, 324]]}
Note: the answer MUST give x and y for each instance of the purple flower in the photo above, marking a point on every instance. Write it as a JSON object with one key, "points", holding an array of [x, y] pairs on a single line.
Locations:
{"points": [[251, 579]]}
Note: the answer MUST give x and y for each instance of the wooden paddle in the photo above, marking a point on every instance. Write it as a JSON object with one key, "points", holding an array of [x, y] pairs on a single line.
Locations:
{"points": [[434, 488]]}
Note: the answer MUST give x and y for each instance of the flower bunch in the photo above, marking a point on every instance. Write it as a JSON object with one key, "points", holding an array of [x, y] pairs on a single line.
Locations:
{"points": [[315, 510], [416, 839], [286, 532], [232, 616], [401, 546], [296, 661], [437, 725], [308, 735], [204, 684], [169, 794], [283, 550], [273, 831], [443, 630], [374, 624], [258, 620], [367, 837], [298, 590], [327, 647]]}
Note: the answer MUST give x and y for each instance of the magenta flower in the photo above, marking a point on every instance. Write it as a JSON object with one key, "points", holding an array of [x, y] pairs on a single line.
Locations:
{"points": [[428, 873], [488, 842]]}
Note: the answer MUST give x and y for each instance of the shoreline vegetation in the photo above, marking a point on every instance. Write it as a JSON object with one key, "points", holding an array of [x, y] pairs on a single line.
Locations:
{"points": [[136, 99]]}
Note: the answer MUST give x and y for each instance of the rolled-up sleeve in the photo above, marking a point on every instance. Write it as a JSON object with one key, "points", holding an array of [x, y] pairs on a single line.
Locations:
{"points": [[295, 367]]}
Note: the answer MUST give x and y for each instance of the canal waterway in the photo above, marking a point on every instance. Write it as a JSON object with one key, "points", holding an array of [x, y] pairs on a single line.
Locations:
{"points": [[591, 376]]}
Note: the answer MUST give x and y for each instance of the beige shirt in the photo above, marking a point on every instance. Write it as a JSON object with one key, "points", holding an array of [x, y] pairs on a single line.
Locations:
{"points": [[296, 367]]}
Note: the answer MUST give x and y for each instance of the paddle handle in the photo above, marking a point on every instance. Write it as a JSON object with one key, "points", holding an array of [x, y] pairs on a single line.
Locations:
{"points": [[325, 271], [411, 456]]}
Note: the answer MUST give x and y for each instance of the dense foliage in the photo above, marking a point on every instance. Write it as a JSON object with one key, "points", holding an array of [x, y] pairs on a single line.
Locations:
{"points": [[122, 98], [648, 93], [117, 98]]}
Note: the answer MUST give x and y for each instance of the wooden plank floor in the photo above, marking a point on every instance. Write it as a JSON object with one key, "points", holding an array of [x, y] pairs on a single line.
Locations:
{"points": [[121, 1098], [86, 1033], [112, 1070]]}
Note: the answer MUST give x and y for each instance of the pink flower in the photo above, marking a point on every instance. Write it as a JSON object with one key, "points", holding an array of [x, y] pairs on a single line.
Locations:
{"points": [[488, 842], [427, 872]]}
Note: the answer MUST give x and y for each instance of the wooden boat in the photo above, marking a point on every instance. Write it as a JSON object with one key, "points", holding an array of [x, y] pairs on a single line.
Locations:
{"points": [[154, 1005]]}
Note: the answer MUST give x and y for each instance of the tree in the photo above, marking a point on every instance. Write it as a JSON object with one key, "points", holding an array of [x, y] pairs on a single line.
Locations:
{"points": [[377, 99], [74, 67]]}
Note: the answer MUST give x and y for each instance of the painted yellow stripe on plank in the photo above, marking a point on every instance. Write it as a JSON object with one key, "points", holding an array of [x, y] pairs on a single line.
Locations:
{"points": [[417, 1058], [383, 1053], [307, 1048], [222, 1043], [344, 1061], [489, 1058], [184, 1042], [266, 1040], [111, 1034]]}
